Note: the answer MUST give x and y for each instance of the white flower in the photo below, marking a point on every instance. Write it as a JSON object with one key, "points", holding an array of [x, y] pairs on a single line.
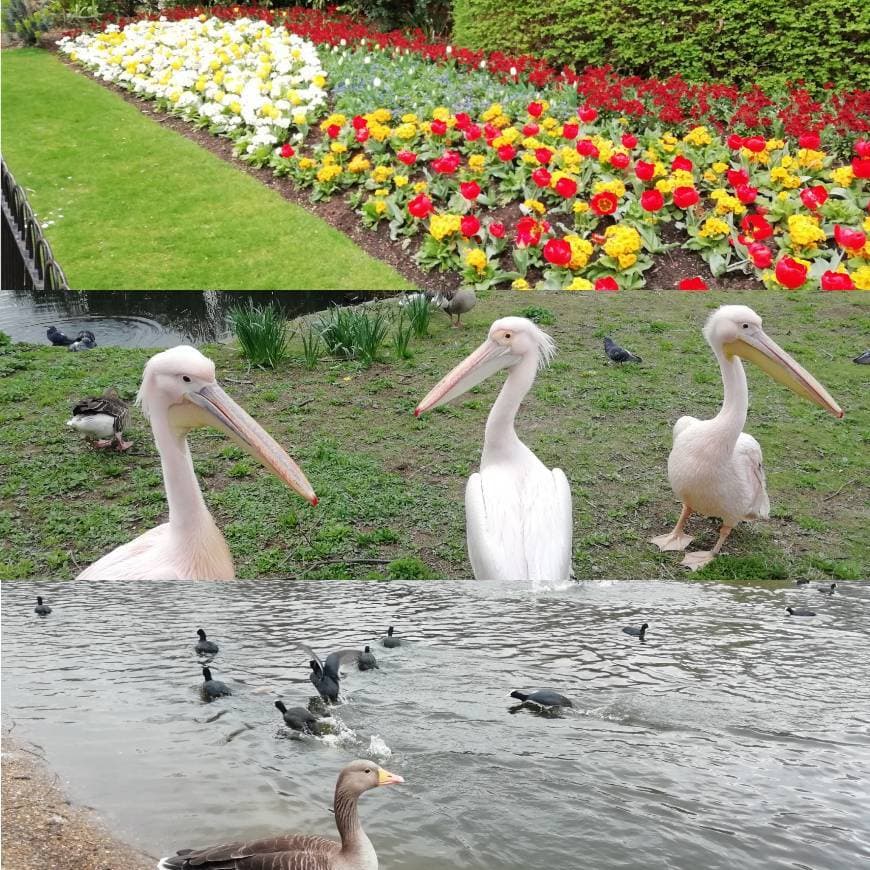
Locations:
{"points": [[376, 82], [449, 49], [513, 72]]}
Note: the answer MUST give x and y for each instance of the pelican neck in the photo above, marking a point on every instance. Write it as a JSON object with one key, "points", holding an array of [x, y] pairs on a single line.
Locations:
{"points": [[500, 434], [735, 404]]}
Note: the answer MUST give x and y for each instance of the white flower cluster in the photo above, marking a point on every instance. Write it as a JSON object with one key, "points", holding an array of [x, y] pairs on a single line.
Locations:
{"points": [[244, 78]]}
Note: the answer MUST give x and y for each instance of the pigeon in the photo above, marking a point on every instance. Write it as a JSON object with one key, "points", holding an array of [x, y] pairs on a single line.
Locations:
{"points": [[863, 359], [619, 354]]}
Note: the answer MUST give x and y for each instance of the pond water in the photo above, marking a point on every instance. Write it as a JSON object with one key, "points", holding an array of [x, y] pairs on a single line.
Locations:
{"points": [[139, 318], [735, 736]]}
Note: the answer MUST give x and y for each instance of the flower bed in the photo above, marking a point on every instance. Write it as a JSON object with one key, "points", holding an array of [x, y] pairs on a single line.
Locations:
{"points": [[500, 183]]}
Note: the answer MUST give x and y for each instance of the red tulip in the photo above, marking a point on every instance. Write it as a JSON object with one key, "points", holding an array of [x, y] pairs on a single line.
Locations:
{"points": [[463, 121], [814, 197], [587, 148], [861, 167], [472, 133], [536, 109], [761, 255], [587, 115], [746, 193], [570, 131], [566, 187], [681, 163], [852, 240], [543, 155], [685, 197], [790, 273], [862, 147], [734, 142], [287, 150], [693, 285], [755, 144], [438, 128], [409, 158], [644, 171], [619, 160], [604, 203], [736, 177], [497, 230], [333, 130], [359, 123], [469, 225], [755, 226], [652, 200], [363, 135], [528, 232], [531, 129], [810, 140], [421, 206], [629, 140], [506, 153], [470, 190], [541, 177], [490, 132], [557, 252], [836, 281], [606, 285]]}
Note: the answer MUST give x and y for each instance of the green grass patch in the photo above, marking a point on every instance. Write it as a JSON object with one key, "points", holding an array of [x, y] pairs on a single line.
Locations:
{"points": [[391, 487], [133, 205]]}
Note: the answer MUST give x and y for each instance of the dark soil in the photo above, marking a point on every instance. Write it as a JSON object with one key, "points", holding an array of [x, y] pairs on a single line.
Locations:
{"points": [[668, 269]]}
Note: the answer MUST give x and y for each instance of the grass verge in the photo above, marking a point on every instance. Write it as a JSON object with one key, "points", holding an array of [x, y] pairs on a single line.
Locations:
{"points": [[391, 487], [132, 205]]}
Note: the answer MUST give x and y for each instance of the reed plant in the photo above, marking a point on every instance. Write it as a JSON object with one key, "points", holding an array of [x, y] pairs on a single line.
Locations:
{"points": [[262, 333], [402, 337], [312, 346], [354, 333], [419, 311]]}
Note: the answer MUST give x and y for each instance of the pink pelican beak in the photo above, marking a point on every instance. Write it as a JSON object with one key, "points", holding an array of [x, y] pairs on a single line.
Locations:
{"points": [[757, 347], [226, 415], [489, 358]]}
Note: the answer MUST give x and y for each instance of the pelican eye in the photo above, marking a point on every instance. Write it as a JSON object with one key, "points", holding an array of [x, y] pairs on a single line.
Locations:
{"points": [[185, 378], [507, 335], [746, 326]]}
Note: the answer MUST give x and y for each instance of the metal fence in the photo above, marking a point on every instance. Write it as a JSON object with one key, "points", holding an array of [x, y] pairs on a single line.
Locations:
{"points": [[28, 263]]}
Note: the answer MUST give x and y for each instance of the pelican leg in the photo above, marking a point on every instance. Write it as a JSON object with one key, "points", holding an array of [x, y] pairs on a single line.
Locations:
{"points": [[675, 540], [697, 560]]}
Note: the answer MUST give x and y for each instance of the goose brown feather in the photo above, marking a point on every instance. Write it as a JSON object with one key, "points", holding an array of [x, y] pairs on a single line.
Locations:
{"points": [[109, 403]]}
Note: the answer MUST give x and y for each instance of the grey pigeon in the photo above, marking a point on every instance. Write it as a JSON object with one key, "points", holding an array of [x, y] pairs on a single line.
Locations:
{"points": [[619, 354]]}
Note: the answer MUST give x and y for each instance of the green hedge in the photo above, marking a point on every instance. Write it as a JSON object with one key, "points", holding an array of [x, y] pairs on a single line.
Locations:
{"points": [[731, 40]]}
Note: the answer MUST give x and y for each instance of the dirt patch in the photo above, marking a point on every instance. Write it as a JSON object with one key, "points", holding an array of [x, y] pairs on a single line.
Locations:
{"points": [[43, 829]]}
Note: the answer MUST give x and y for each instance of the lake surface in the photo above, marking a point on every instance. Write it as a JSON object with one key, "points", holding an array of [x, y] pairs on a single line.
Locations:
{"points": [[734, 737], [140, 318]]}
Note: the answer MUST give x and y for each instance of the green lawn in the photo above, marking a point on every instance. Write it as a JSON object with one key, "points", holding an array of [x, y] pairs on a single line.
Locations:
{"points": [[137, 206], [391, 487]]}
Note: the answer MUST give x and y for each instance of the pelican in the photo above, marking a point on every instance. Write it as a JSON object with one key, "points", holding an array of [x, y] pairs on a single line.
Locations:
{"points": [[517, 511], [715, 468], [179, 393]]}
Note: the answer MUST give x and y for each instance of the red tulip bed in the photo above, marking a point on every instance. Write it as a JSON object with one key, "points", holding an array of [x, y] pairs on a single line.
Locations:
{"points": [[576, 181]]}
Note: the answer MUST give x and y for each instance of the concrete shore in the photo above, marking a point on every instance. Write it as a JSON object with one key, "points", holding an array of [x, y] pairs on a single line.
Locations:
{"points": [[44, 830]]}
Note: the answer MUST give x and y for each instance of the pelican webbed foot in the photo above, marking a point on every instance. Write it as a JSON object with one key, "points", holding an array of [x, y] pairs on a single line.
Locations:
{"points": [[671, 541], [697, 560]]}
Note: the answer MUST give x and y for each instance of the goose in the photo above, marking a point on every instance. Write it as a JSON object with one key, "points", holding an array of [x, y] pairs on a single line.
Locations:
{"points": [[461, 302], [104, 418], [390, 642], [301, 851], [543, 698], [298, 718], [203, 645], [715, 468], [517, 511], [41, 609], [637, 632], [179, 393], [211, 688], [367, 660]]}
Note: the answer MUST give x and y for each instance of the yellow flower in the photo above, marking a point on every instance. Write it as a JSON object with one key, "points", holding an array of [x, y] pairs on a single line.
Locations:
{"points": [[805, 231], [380, 207], [492, 112], [665, 186], [333, 120], [626, 261], [359, 164], [719, 167], [616, 187], [861, 278], [443, 225], [780, 175], [306, 163], [441, 113], [476, 258], [842, 176], [581, 251], [381, 173], [535, 205], [379, 132], [698, 136], [580, 207], [549, 123], [420, 187], [713, 227], [319, 81], [406, 131], [382, 191], [337, 147], [400, 180], [621, 239], [579, 284], [379, 116], [774, 144], [477, 162], [569, 158], [326, 173], [728, 204], [410, 118], [521, 284]]}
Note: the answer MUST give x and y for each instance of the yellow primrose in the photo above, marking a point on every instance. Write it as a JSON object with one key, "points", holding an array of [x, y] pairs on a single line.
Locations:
{"points": [[535, 206], [805, 231], [477, 162], [579, 284], [476, 258], [381, 173], [443, 225], [359, 163], [337, 147], [400, 180], [842, 176], [521, 284], [713, 227], [327, 173], [581, 251], [698, 136], [861, 278]]}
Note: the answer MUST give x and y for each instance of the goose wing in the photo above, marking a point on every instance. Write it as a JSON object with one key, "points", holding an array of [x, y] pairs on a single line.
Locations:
{"points": [[299, 852], [109, 403]]}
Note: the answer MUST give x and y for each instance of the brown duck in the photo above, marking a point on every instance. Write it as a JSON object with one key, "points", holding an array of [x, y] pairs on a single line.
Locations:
{"points": [[104, 418], [301, 851]]}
